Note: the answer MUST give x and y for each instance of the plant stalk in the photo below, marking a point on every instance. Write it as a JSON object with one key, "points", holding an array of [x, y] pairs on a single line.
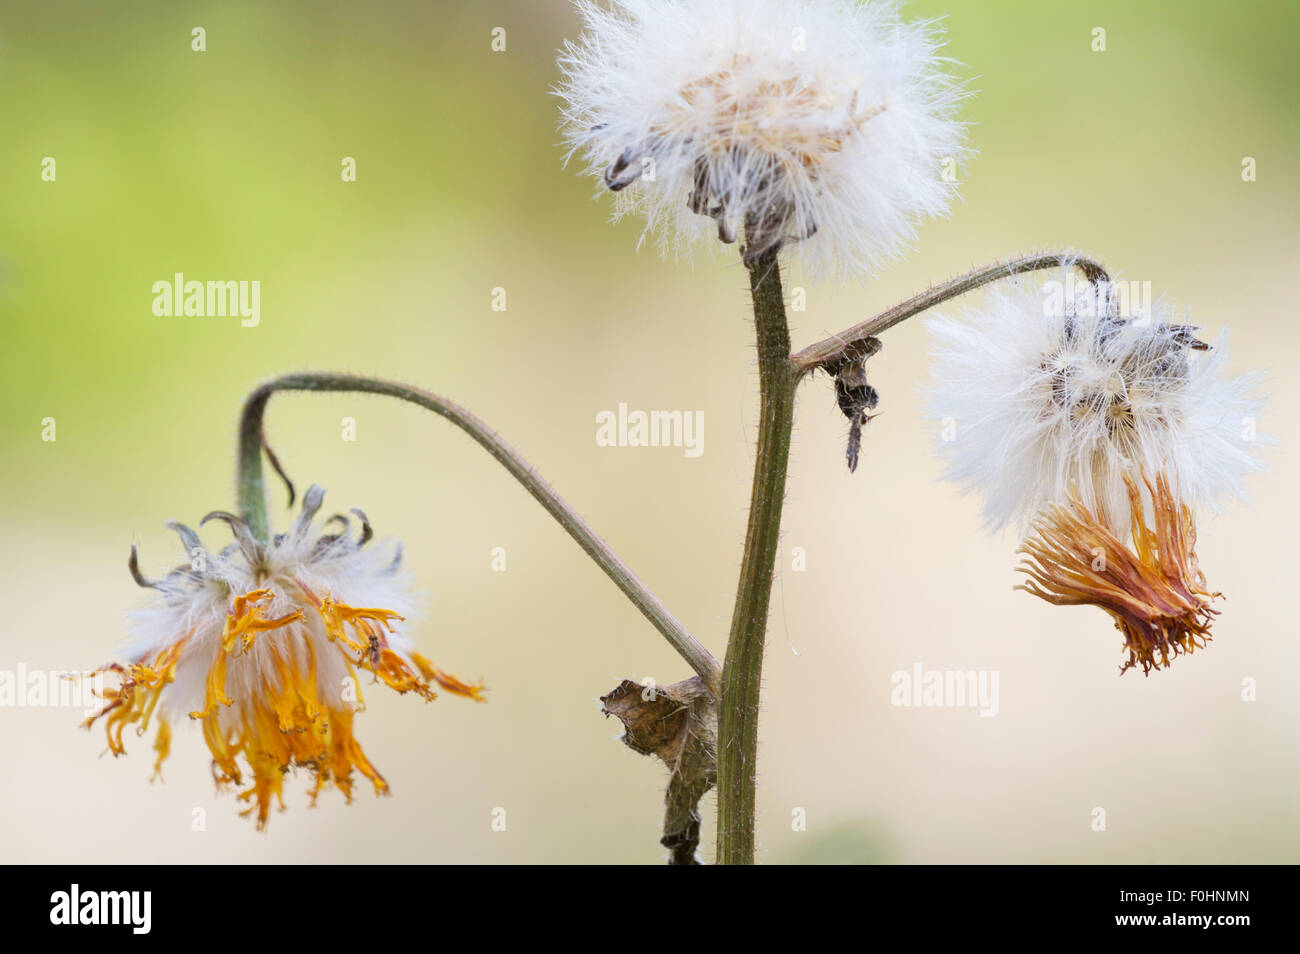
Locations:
{"points": [[742, 669], [252, 496], [828, 350], [779, 377]]}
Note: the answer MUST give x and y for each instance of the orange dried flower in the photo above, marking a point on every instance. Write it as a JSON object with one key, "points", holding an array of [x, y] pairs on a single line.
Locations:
{"points": [[1154, 589], [257, 645]]}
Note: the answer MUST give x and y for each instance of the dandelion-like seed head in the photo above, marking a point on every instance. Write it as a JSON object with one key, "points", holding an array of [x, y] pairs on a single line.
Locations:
{"points": [[828, 124], [1100, 426], [261, 645], [1055, 389]]}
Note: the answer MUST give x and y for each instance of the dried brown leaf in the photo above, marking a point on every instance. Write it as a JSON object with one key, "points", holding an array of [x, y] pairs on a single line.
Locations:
{"points": [[679, 725]]}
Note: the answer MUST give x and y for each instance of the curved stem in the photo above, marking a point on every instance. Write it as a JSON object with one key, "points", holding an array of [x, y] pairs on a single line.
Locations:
{"points": [[252, 496], [831, 349], [742, 670]]}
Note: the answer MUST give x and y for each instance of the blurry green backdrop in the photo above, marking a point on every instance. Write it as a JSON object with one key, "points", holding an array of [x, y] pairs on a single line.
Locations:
{"points": [[226, 164]]}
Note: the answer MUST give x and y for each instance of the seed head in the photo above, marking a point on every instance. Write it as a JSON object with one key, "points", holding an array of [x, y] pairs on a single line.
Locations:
{"points": [[1100, 422], [1053, 390], [825, 124]]}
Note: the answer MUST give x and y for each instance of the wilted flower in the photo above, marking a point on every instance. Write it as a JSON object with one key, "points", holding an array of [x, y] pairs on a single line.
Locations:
{"points": [[1096, 424], [260, 645], [1154, 591], [826, 122]]}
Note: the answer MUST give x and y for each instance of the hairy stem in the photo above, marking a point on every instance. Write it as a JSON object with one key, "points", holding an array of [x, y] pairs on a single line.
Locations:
{"points": [[742, 670], [831, 349], [252, 496], [779, 376]]}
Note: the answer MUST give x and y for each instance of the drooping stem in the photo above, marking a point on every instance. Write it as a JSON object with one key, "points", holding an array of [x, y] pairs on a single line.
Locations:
{"points": [[742, 669], [830, 349], [252, 496]]}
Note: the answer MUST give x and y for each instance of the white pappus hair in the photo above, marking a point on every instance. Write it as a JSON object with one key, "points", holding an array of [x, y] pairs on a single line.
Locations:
{"points": [[327, 561], [827, 126], [1043, 397]]}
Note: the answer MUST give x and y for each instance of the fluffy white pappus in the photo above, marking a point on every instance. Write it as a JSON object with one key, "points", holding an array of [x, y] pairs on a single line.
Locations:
{"points": [[310, 562], [824, 125], [1050, 390]]}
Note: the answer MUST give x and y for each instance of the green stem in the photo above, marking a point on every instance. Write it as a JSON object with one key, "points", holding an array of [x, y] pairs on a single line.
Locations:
{"points": [[252, 495], [779, 376], [742, 670]]}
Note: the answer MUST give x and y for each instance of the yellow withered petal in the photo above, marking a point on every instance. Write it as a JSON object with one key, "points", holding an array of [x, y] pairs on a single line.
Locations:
{"points": [[285, 721]]}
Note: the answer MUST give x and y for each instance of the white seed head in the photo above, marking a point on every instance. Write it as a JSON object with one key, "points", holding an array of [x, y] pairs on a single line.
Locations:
{"points": [[826, 125], [1051, 390]]}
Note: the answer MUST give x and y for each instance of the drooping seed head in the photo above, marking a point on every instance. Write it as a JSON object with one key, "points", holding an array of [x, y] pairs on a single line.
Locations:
{"points": [[1099, 426], [1053, 389]]}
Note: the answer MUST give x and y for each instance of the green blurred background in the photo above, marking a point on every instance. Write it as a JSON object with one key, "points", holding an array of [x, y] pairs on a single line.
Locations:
{"points": [[226, 164]]}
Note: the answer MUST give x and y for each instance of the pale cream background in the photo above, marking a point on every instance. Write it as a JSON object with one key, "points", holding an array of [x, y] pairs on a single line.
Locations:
{"points": [[228, 167]]}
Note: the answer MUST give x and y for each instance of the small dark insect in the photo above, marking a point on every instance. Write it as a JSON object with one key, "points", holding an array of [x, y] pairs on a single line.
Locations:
{"points": [[853, 394]]}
